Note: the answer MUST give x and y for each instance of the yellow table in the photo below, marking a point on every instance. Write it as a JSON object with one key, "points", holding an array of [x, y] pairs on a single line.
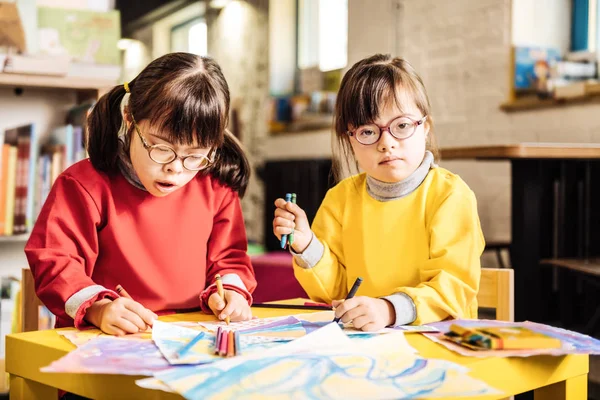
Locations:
{"points": [[550, 377]]}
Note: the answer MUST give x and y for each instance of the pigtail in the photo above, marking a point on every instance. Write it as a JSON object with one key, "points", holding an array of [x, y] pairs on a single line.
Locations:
{"points": [[231, 165], [103, 126]]}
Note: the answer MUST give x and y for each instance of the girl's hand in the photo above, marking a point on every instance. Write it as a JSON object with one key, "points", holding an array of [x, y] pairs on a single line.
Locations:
{"points": [[120, 316], [237, 307], [289, 217], [366, 313]]}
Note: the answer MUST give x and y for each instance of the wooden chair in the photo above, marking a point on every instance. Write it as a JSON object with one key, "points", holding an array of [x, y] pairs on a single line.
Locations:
{"points": [[496, 290], [498, 247], [30, 303]]}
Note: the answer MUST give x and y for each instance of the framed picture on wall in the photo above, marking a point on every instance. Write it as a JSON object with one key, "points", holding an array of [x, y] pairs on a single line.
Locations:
{"points": [[532, 67]]}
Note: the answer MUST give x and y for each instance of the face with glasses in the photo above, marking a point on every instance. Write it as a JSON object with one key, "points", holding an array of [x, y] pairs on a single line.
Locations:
{"points": [[393, 146], [161, 166]]}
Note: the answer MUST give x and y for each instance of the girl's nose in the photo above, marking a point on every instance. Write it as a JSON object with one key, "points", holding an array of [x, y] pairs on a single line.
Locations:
{"points": [[175, 166], [386, 142]]}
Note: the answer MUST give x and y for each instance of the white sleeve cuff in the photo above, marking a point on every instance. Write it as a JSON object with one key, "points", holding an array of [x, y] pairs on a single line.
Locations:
{"points": [[311, 255], [404, 306], [233, 280], [75, 301]]}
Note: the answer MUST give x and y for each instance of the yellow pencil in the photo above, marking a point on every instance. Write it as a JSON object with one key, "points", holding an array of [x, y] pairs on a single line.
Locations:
{"points": [[221, 293]]}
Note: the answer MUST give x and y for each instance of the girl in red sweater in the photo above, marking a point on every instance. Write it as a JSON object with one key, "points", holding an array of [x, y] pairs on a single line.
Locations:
{"points": [[155, 208]]}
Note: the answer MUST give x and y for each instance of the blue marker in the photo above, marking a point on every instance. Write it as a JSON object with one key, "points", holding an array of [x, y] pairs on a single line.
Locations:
{"points": [[191, 344], [288, 198]]}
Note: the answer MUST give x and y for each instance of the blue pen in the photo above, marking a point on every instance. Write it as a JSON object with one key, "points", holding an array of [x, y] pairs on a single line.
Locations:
{"points": [[191, 344], [284, 238], [351, 294]]}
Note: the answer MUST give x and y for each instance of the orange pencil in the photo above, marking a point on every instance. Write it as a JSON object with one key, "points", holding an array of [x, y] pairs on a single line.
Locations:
{"points": [[122, 292], [230, 345]]}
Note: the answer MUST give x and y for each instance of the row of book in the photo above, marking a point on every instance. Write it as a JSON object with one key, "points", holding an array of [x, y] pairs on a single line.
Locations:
{"points": [[28, 169]]}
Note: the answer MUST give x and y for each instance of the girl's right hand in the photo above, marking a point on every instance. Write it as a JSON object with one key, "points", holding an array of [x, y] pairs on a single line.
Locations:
{"points": [[289, 217], [120, 316]]}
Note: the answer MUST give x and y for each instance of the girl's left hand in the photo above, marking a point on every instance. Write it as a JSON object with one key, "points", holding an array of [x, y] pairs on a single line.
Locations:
{"points": [[366, 313], [235, 306]]}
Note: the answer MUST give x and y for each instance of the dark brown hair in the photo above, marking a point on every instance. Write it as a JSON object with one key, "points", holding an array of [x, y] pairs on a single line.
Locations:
{"points": [[370, 85], [184, 96]]}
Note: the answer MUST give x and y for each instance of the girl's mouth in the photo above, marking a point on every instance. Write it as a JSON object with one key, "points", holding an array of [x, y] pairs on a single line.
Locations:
{"points": [[165, 187]]}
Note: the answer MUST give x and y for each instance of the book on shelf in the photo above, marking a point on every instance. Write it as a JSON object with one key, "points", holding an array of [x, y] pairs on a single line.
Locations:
{"points": [[22, 141], [28, 170]]}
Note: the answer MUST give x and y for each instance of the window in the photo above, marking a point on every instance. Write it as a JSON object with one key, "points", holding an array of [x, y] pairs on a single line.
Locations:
{"points": [[190, 37], [585, 33], [322, 34]]}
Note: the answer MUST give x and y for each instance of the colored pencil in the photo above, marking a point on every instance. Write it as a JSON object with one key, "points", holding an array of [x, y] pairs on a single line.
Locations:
{"points": [[191, 344], [311, 304], [291, 236], [284, 237], [122, 292], [238, 348], [351, 294], [223, 345], [292, 306], [230, 345], [218, 340], [221, 293]]}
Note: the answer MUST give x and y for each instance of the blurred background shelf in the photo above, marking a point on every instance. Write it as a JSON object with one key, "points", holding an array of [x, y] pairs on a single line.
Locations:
{"points": [[54, 82], [14, 238]]}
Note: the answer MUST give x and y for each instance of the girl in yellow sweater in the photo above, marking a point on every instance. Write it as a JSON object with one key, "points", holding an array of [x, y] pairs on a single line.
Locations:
{"points": [[409, 228]]}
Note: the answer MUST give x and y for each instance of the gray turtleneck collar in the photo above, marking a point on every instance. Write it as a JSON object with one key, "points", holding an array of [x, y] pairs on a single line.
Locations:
{"points": [[383, 191]]}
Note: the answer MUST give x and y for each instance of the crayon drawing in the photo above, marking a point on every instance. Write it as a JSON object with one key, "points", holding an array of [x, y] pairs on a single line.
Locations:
{"points": [[79, 338], [112, 355], [326, 364], [573, 342]]}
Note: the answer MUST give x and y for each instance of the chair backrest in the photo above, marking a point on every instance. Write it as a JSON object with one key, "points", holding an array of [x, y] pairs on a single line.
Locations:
{"points": [[30, 303], [496, 290]]}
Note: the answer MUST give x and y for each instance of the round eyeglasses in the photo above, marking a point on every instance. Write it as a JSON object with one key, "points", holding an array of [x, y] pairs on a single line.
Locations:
{"points": [[401, 128], [163, 154]]}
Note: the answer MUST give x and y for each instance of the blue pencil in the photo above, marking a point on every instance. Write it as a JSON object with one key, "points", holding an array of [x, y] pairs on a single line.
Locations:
{"points": [[238, 348], [284, 238], [191, 344], [351, 294]]}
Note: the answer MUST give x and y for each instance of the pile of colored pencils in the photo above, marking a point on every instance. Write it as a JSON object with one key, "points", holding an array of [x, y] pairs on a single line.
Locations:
{"points": [[227, 343]]}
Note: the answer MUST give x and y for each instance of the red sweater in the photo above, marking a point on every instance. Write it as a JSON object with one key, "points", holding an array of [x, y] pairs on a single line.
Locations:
{"points": [[96, 231]]}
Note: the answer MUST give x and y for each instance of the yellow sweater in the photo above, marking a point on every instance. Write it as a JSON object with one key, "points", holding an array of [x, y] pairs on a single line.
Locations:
{"points": [[426, 244]]}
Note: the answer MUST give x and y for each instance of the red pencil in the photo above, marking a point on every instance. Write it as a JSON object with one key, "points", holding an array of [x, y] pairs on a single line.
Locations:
{"points": [[223, 346], [122, 292], [311, 304]]}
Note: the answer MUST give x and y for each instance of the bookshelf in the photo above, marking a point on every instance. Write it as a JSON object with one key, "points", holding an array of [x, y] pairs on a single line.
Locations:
{"points": [[43, 100]]}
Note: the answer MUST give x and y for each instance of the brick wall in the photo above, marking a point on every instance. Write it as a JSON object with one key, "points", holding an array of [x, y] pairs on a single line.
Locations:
{"points": [[238, 40], [461, 50]]}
